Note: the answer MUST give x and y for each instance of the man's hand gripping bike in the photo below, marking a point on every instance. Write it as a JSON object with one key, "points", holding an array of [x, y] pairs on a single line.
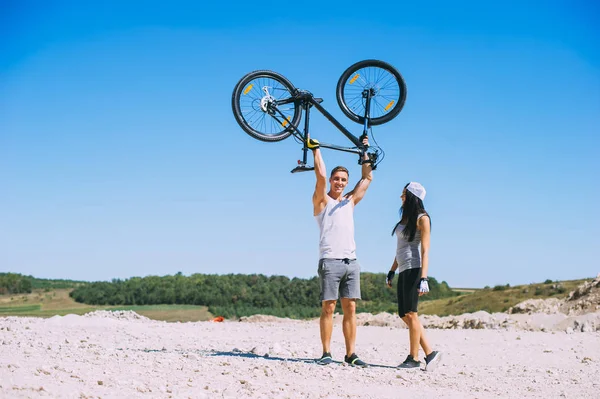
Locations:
{"points": [[269, 108]]}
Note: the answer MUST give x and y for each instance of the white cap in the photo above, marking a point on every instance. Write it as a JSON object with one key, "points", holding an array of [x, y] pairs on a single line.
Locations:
{"points": [[417, 189]]}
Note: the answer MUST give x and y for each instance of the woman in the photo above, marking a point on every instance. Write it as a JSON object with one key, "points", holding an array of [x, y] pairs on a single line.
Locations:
{"points": [[412, 258]]}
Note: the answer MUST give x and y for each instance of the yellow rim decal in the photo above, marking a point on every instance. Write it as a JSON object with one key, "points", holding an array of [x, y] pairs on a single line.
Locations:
{"points": [[285, 122], [389, 105], [354, 78], [248, 89]]}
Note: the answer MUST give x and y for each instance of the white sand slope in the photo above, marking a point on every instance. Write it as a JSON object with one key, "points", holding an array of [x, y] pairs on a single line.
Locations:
{"points": [[127, 356]]}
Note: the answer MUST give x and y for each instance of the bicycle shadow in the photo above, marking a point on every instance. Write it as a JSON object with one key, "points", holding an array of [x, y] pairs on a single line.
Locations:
{"points": [[248, 355], [251, 355]]}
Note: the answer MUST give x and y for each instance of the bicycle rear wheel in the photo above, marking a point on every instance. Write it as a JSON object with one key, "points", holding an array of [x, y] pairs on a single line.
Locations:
{"points": [[386, 85], [255, 106]]}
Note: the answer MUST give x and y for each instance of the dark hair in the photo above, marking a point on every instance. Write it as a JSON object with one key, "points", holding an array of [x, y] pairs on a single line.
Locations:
{"points": [[411, 209], [338, 169]]}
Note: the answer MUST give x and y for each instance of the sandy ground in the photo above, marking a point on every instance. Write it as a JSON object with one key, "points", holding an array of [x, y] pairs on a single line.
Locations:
{"points": [[129, 356]]}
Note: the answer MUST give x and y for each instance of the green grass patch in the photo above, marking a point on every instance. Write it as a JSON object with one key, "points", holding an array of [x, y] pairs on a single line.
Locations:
{"points": [[19, 309], [43, 303]]}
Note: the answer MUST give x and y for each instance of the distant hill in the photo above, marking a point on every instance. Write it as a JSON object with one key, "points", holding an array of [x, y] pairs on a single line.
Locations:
{"points": [[499, 298]]}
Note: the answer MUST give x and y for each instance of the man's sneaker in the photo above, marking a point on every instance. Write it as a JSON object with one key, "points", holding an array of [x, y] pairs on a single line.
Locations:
{"points": [[409, 363], [325, 359], [353, 360], [432, 360]]}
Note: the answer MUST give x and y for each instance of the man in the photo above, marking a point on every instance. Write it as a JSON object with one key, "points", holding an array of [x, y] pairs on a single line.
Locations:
{"points": [[339, 271]]}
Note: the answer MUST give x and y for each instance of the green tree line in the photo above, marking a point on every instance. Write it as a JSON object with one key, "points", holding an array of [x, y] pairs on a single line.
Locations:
{"points": [[237, 295], [13, 283]]}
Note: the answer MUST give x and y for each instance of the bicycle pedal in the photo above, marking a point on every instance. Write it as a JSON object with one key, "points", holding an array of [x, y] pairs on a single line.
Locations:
{"points": [[302, 168]]}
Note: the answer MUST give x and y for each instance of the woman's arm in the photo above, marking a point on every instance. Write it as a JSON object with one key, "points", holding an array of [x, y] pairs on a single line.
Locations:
{"points": [[391, 273], [425, 227]]}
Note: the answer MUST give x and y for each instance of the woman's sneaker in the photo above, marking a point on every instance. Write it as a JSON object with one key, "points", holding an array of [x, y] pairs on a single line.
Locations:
{"points": [[432, 360], [409, 363]]}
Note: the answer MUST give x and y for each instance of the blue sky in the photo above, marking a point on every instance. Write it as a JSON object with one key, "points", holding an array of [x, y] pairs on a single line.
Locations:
{"points": [[120, 156]]}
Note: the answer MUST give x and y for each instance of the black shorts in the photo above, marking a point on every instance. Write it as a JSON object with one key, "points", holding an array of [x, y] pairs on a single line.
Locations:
{"points": [[408, 294]]}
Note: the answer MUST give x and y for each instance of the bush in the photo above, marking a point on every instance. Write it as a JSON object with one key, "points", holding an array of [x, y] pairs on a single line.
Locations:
{"points": [[548, 281]]}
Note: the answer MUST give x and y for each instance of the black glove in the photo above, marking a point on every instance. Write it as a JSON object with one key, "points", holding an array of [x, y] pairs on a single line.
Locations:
{"points": [[390, 276]]}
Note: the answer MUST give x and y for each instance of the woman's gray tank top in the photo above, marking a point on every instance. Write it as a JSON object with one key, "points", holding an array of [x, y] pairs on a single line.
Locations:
{"points": [[408, 254]]}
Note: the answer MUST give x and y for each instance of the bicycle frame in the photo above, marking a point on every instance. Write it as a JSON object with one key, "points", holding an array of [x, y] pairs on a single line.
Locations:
{"points": [[306, 100]]}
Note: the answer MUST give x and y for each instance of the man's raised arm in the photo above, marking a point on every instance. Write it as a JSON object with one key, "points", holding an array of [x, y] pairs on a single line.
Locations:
{"points": [[320, 195], [367, 176]]}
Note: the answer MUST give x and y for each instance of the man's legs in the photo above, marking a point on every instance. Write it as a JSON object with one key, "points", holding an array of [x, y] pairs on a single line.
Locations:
{"points": [[349, 324], [326, 324], [329, 279], [350, 292]]}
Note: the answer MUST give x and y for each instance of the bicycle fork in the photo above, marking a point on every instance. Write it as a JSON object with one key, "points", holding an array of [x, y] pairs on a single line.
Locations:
{"points": [[304, 137], [367, 95]]}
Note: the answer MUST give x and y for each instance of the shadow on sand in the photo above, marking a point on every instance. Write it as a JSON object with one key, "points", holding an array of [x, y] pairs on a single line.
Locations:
{"points": [[248, 355]]}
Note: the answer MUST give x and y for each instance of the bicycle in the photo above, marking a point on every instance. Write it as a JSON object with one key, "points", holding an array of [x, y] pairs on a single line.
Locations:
{"points": [[269, 108]]}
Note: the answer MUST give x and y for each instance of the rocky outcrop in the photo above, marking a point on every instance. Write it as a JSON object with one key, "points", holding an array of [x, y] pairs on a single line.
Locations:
{"points": [[584, 299], [546, 306]]}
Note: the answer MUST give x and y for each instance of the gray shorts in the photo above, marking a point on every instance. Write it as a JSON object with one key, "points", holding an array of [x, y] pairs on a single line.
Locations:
{"points": [[339, 277]]}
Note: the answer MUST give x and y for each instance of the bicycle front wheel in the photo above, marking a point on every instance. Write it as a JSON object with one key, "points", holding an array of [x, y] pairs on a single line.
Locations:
{"points": [[256, 104], [385, 85]]}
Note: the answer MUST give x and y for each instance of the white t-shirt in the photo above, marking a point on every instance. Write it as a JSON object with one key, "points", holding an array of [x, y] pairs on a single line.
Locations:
{"points": [[336, 223]]}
